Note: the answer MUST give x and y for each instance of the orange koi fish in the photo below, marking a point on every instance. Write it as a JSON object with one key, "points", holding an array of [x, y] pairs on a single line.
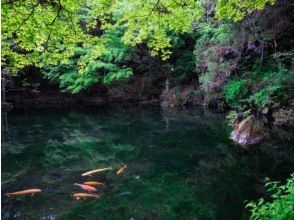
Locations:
{"points": [[94, 183], [86, 187], [122, 170], [24, 192], [78, 196], [96, 171]]}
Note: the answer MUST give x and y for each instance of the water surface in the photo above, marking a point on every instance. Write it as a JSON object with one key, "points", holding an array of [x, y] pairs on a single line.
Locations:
{"points": [[181, 164]]}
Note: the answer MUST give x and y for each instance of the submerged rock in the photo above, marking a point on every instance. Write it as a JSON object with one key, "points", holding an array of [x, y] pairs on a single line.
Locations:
{"points": [[249, 131]]}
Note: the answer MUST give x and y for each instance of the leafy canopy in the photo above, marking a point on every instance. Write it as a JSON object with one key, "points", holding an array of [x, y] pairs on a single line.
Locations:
{"points": [[236, 9], [48, 32], [40, 32], [109, 66]]}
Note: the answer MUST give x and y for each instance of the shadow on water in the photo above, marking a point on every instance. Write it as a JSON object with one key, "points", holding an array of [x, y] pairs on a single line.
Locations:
{"points": [[181, 164]]}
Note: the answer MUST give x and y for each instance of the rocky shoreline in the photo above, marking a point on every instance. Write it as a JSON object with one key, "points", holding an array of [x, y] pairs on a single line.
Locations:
{"points": [[250, 130]]}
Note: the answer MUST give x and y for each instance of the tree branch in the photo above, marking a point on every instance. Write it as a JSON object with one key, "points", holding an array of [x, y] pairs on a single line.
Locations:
{"points": [[27, 18]]}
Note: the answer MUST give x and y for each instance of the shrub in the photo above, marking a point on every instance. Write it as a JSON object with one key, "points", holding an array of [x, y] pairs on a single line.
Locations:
{"points": [[273, 86], [231, 116], [282, 206], [235, 91]]}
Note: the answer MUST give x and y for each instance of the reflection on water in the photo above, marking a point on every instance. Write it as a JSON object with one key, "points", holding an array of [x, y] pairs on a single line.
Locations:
{"points": [[181, 164]]}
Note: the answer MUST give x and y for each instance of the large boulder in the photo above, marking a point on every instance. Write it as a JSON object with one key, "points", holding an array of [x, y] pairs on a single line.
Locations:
{"points": [[249, 131]]}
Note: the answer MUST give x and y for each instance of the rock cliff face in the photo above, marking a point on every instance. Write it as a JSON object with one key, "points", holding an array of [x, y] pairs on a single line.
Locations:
{"points": [[284, 118], [181, 96], [249, 131]]}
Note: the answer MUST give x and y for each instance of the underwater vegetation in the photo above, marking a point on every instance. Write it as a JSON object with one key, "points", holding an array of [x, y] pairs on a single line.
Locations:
{"points": [[179, 165]]}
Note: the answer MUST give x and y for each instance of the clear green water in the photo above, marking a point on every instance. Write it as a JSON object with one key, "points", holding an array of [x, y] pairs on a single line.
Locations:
{"points": [[181, 164]]}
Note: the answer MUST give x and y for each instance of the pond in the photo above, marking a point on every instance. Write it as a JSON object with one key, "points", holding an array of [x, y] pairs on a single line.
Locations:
{"points": [[181, 164]]}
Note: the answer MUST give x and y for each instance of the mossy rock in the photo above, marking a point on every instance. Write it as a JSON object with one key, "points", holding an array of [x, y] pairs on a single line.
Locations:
{"points": [[249, 131], [284, 118]]}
